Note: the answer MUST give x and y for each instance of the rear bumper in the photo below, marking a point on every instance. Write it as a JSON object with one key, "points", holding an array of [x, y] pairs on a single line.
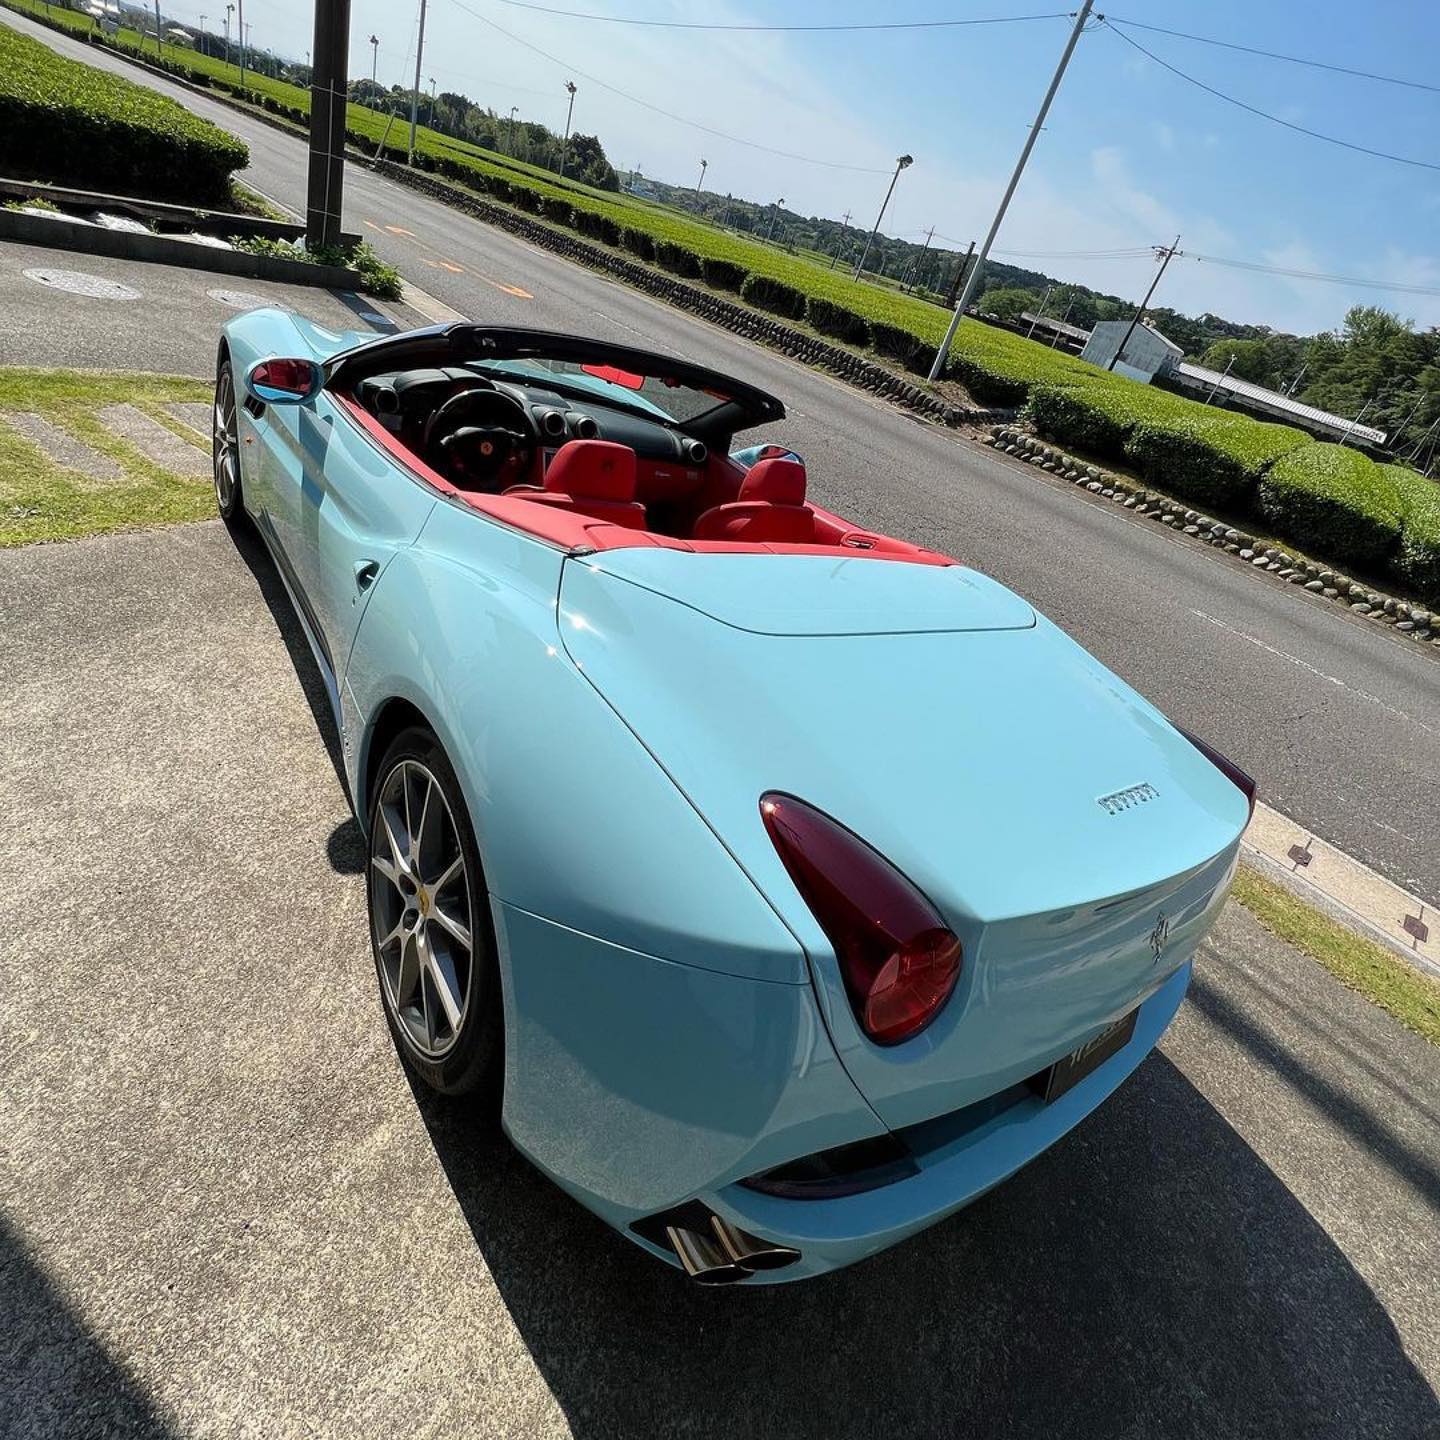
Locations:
{"points": [[638, 1085], [833, 1233]]}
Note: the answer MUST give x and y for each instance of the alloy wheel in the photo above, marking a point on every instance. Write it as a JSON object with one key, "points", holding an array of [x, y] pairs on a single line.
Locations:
{"points": [[225, 443], [420, 909]]}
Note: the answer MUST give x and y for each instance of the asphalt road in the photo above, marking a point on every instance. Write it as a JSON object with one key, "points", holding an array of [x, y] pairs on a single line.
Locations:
{"points": [[1338, 720], [224, 1211]]}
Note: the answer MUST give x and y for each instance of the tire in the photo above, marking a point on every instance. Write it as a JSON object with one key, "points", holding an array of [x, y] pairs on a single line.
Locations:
{"points": [[441, 995], [225, 449]]}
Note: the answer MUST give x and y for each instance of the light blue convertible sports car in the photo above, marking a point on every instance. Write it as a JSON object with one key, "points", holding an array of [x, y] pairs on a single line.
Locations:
{"points": [[785, 886]]}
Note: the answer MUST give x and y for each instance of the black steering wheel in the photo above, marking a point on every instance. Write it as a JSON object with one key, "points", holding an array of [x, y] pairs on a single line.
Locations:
{"points": [[477, 436]]}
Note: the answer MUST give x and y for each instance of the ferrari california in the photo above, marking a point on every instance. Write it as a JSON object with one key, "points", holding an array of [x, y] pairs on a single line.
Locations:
{"points": [[782, 886]]}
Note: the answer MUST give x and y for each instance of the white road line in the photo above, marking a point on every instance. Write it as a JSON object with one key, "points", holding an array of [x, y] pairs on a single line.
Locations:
{"points": [[1314, 670]]}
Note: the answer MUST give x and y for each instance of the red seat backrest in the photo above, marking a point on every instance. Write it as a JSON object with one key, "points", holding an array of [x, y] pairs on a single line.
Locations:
{"points": [[595, 477], [770, 507]]}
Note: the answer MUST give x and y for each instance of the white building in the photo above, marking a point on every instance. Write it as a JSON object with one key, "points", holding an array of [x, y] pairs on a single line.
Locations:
{"points": [[1147, 352]]}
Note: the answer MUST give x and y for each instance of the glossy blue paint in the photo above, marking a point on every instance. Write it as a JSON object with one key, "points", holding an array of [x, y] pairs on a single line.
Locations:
{"points": [[674, 1016]]}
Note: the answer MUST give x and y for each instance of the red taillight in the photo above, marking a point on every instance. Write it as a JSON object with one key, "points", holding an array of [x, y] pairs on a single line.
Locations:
{"points": [[899, 959], [1228, 768]]}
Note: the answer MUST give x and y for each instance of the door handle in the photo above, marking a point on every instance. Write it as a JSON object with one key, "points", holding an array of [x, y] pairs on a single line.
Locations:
{"points": [[365, 573]]}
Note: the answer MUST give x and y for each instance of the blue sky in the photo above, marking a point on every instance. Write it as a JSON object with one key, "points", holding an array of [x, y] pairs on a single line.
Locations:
{"points": [[1131, 155]]}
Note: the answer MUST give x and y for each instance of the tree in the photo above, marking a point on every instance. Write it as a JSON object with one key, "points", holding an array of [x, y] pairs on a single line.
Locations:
{"points": [[1008, 304], [1247, 359]]}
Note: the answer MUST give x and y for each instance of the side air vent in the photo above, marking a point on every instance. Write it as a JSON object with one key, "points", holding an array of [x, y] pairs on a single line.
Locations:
{"points": [[585, 427], [694, 451], [552, 423]]}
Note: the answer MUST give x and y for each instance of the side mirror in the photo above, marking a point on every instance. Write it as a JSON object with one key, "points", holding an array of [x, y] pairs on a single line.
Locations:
{"points": [[748, 458], [283, 382]]}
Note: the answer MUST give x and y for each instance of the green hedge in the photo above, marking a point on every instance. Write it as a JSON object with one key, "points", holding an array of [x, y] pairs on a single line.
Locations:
{"points": [[74, 125], [677, 259], [1215, 459], [1417, 559], [774, 296], [839, 321], [1335, 502], [723, 274]]}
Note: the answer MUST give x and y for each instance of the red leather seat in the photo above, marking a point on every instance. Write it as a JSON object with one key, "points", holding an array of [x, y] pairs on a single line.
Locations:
{"points": [[770, 507], [595, 477]]}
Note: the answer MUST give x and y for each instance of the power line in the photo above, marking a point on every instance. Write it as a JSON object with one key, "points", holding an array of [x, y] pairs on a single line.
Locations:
{"points": [[1277, 55], [656, 109], [1397, 285], [782, 29], [1266, 115]]}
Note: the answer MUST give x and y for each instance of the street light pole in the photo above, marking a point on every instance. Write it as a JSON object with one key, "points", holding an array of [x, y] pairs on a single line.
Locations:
{"points": [[229, 11], [240, 25], [374, 58], [701, 180], [510, 134], [839, 244], [415, 89], [774, 211], [569, 111], [903, 163], [972, 283], [430, 116]]}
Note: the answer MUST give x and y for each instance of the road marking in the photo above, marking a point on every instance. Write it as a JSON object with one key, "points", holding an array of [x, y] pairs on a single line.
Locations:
{"points": [[1314, 670], [441, 262]]}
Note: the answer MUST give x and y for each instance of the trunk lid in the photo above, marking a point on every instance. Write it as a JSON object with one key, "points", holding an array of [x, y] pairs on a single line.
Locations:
{"points": [[1052, 814]]}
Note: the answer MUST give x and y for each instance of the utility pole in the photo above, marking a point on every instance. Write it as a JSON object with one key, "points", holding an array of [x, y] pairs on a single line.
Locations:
{"points": [[229, 11], [415, 89], [570, 110], [839, 244], [158, 51], [1039, 314], [1350, 427], [703, 165], [240, 26], [201, 37], [326, 179], [920, 258], [955, 283], [510, 134], [1225, 374], [1065, 320], [774, 210], [374, 58], [903, 163], [972, 284], [430, 119], [1164, 254]]}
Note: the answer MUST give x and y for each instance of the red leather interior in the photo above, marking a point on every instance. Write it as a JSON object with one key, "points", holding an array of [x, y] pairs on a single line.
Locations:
{"points": [[770, 508], [571, 527], [595, 477]]}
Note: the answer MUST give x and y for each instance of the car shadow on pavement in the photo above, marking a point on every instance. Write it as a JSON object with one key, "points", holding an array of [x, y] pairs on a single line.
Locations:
{"points": [[58, 1378], [1148, 1276]]}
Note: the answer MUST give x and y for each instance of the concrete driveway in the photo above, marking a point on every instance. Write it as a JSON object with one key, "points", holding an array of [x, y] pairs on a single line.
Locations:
{"points": [[224, 1211]]}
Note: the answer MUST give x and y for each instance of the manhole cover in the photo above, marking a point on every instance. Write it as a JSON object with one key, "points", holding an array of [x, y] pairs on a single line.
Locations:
{"points": [[77, 282], [371, 318], [246, 300]]}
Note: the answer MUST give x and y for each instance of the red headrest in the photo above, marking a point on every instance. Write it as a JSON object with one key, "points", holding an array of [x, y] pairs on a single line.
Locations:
{"points": [[777, 482], [593, 470]]}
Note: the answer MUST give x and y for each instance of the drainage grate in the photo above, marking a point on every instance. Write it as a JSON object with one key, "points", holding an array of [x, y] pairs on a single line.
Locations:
{"points": [[77, 282]]}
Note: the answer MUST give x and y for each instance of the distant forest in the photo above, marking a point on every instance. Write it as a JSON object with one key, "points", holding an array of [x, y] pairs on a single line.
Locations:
{"points": [[1376, 362]]}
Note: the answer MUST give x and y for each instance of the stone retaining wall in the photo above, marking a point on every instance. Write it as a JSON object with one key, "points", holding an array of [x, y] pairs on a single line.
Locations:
{"points": [[1330, 584]]}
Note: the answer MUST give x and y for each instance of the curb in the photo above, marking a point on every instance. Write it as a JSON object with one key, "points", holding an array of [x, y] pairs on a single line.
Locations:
{"points": [[53, 233], [1343, 888], [1323, 581]]}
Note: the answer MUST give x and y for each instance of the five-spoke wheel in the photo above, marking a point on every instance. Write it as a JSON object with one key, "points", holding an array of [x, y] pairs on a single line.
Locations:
{"points": [[430, 931], [225, 447]]}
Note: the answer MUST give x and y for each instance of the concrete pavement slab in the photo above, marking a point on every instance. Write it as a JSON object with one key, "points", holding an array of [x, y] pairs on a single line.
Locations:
{"points": [[224, 1210], [195, 415], [172, 325], [65, 449], [167, 449]]}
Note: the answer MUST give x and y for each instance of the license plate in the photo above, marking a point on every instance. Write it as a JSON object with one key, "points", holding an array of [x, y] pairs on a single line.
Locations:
{"points": [[1070, 1071]]}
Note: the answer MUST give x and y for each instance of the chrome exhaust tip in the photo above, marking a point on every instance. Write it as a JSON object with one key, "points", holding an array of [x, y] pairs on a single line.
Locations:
{"points": [[702, 1258], [748, 1251]]}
